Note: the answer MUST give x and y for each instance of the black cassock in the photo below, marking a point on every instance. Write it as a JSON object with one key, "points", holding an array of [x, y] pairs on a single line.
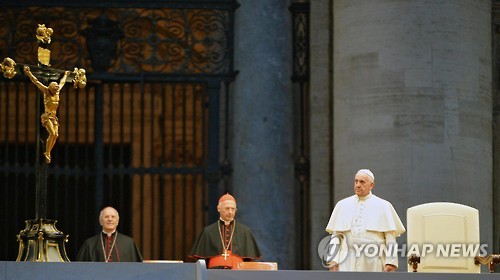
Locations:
{"points": [[209, 243], [124, 249]]}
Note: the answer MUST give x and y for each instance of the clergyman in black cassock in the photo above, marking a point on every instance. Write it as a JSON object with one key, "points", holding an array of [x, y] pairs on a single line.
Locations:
{"points": [[226, 242], [109, 245]]}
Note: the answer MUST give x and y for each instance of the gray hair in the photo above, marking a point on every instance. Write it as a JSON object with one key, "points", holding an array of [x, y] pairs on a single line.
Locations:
{"points": [[100, 213]]}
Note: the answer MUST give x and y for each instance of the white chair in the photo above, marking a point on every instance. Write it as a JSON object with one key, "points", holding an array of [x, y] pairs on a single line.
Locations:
{"points": [[441, 225]]}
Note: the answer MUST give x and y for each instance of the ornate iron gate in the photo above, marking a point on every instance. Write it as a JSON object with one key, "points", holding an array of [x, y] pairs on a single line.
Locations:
{"points": [[143, 136]]}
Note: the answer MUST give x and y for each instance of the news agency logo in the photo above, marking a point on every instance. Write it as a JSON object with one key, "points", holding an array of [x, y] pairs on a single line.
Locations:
{"points": [[330, 249], [448, 250], [441, 250]]}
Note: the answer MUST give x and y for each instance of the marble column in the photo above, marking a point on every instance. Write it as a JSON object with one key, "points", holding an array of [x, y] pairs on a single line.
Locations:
{"points": [[262, 127], [320, 125], [496, 124], [412, 92]]}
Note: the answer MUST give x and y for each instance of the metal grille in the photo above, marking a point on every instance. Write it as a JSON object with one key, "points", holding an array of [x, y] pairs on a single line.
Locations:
{"points": [[138, 146], [300, 78], [124, 40], [143, 136]]}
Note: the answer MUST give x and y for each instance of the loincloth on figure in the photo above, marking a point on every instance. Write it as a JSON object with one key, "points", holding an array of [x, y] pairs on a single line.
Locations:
{"points": [[49, 117]]}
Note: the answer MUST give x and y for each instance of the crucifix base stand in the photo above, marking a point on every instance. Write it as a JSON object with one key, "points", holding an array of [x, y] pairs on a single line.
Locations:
{"points": [[41, 241]]}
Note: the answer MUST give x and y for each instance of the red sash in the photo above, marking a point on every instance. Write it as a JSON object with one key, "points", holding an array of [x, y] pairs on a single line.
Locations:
{"points": [[227, 260]]}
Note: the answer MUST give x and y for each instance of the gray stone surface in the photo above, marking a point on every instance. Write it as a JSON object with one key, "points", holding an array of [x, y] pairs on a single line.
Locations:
{"points": [[262, 143], [320, 125], [192, 271], [412, 90], [326, 275], [110, 271]]}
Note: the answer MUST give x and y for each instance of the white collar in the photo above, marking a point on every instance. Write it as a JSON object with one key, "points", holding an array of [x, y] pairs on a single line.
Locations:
{"points": [[226, 222], [364, 198], [109, 234]]}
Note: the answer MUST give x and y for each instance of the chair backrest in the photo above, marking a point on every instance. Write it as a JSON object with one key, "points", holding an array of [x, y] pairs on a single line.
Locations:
{"points": [[451, 230], [257, 266]]}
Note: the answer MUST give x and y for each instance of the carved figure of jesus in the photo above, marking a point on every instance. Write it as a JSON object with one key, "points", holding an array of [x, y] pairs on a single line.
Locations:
{"points": [[51, 104]]}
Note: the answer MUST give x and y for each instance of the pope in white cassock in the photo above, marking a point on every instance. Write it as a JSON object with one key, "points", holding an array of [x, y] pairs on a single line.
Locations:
{"points": [[365, 221]]}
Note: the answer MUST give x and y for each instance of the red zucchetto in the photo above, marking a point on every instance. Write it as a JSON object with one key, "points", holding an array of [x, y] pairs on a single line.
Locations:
{"points": [[227, 197]]}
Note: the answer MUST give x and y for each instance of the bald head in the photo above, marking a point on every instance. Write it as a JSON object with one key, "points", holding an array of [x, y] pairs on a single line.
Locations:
{"points": [[109, 218], [227, 210]]}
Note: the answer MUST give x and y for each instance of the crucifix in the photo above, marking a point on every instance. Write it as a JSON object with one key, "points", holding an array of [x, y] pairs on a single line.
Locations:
{"points": [[41, 240], [225, 254]]}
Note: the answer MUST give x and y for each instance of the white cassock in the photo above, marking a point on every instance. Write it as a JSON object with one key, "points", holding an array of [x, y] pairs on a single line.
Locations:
{"points": [[366, 220]]}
